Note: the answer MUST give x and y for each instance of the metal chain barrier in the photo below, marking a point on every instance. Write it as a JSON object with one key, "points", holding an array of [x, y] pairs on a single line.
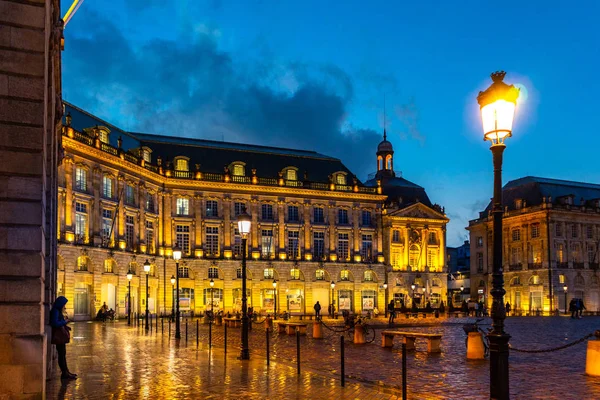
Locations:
{"points": [[596, 333], [331, 328], [259, 322]]}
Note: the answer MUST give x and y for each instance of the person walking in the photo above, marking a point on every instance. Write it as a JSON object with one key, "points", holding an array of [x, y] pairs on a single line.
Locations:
{"points": [[507, 308], [317, 308], [61, 335], [573, 308], [580, 308], [391, 312]]}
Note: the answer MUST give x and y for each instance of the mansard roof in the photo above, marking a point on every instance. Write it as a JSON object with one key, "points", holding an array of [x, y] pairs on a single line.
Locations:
{"points": [[532, 190], [213, 156], [401, 192]]}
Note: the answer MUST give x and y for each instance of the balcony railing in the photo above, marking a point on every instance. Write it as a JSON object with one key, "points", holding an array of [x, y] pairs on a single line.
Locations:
{"points": [[562, 264], [577, 265], [515, 267], [534, 266]]}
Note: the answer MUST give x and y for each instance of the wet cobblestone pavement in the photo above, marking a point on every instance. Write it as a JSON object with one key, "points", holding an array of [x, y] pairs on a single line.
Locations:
{"points": [[117, 361]]}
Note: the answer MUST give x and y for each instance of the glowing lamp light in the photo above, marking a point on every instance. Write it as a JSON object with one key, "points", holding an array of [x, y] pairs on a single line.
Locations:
{"points": [[147, 266], [498, 103], [274, 284], [244, 222], [129, 276], [172, 279], [385, 285], [212, 283], [462, 288], [424, 290], [176, 253], [412, 286], [332, 284], [565, 288]]}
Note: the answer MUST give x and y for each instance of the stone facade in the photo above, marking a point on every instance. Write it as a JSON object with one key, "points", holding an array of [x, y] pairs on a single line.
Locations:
{"points": [[119, 208], [551, 234], [30, 111]]}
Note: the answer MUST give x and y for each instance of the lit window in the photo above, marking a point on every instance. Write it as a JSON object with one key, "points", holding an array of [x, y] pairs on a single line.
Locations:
{"points": [[368, 276], [344, 275], [413, 257], [83, 263], [184, 271], [294, 274], [239, 170], [340, 179], [103, 136], [516, 235], [107, 221], [291, 175], [516, 255], [266, 243], [343, 249], [479, 241], [395, 236], [129, 195], [109, 265], [292, 245], [182, 238], [81, 219], [366, 250], [560, 253], [268, 273], [107, 187], [181, 164], [150, 236], [534, 280], [561, 279], [318, 245], [81, 179], [212, 240], [432, 259], [129, 230], [146, 155], [183, 206], [320, 275]]}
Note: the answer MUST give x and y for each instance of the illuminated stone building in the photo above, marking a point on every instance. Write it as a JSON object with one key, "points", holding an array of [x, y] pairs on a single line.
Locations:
{"points": [[129, 197], [550, 240], [414, 236]]}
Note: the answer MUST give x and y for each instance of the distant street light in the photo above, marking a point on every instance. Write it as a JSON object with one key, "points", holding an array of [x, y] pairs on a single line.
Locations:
{"points": [[173, 293], [129, 278], [177, 257], [244, 222], [147, 271], [565, 289]]}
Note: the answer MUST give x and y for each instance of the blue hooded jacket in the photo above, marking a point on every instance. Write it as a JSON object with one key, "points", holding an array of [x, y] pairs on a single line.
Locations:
{"points": [[56, 316]]}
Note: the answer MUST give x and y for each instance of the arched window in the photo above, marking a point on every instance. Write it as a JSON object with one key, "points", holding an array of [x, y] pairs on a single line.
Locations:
{"points": [[182, 164], [534, 280], [579, 281], [132, 267], [184, 271], [320, 275], [268, 273], [213, 273], [103, 134], [344, 275], [340, 179], [295, 274], [83, 263], [368, 276], [561, 279], [515, 281], [379, 163], [435, 282], [388, 162], [109, 266]]}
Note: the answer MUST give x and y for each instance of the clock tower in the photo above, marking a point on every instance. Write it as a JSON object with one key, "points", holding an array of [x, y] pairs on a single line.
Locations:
{"points": [[385, 159]]}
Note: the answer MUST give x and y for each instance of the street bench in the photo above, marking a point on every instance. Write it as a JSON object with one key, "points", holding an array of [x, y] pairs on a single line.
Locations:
{"points": [[290, 327], [433, 340], [232, 322]]}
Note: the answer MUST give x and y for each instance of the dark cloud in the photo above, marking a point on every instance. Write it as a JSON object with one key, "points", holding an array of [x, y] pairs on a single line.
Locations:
{"points": [[191, 88]]}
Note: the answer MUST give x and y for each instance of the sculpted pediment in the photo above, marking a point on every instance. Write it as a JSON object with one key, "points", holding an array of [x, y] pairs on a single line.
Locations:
{"points": [[420, 211]]}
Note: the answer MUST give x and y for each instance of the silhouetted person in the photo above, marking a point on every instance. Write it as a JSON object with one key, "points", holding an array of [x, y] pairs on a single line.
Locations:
{"points": [[392, 312], [507, 308], [61, 335], [317, 308]]}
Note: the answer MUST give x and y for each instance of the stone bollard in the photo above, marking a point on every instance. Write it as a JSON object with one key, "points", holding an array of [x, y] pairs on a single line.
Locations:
{"points": [[592, 358], [317, 330], [475, 348], [359, 334], [269, 323]]}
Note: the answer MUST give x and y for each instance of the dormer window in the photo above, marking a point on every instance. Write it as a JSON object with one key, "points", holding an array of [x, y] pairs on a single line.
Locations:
{"points": [[103, 134], [239, 170], [518, 204], [291, 175], [182, 164], [146, 154], [340, 179]]}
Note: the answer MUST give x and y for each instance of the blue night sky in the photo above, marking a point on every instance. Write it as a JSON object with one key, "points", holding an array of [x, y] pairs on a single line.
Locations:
{"points": [[314, 74]]}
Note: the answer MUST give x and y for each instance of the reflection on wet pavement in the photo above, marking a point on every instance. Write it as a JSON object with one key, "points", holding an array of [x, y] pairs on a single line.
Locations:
{"points": [[118, 361]]}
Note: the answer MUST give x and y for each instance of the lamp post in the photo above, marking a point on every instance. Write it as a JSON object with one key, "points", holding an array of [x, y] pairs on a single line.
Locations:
{"points": [[147, 271], [385, 297], [413, 286], [177, 257], [462, 290], [212, 300], [244, 222], [424, 296], [497, 104], [129, 278], [565, 289], [275, 298], [173, 294], [332, 299]]}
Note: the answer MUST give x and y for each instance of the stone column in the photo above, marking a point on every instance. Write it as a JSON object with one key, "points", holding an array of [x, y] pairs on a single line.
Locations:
{"points": [[30, 114]]}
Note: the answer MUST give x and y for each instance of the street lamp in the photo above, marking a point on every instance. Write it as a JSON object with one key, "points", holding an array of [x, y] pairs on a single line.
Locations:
{"points": [[385, 298], [177, 257], [332, 299], [413, 286], [129, 278], [275, 298], [147, 271], [244, 223], [497, 104], [172, 293], [565, 289], [212, 299], [424, 295]]}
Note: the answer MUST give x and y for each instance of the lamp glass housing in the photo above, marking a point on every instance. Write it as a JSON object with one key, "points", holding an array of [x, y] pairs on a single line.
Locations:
{"points": [[497, 104], [212, 283], [565, 288], [332, 284], [129, 276], [385, 285], [412, 286], [462, 288], [244, 222], [147, 266], [274, 283], [176, 253], [172, 279]]}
